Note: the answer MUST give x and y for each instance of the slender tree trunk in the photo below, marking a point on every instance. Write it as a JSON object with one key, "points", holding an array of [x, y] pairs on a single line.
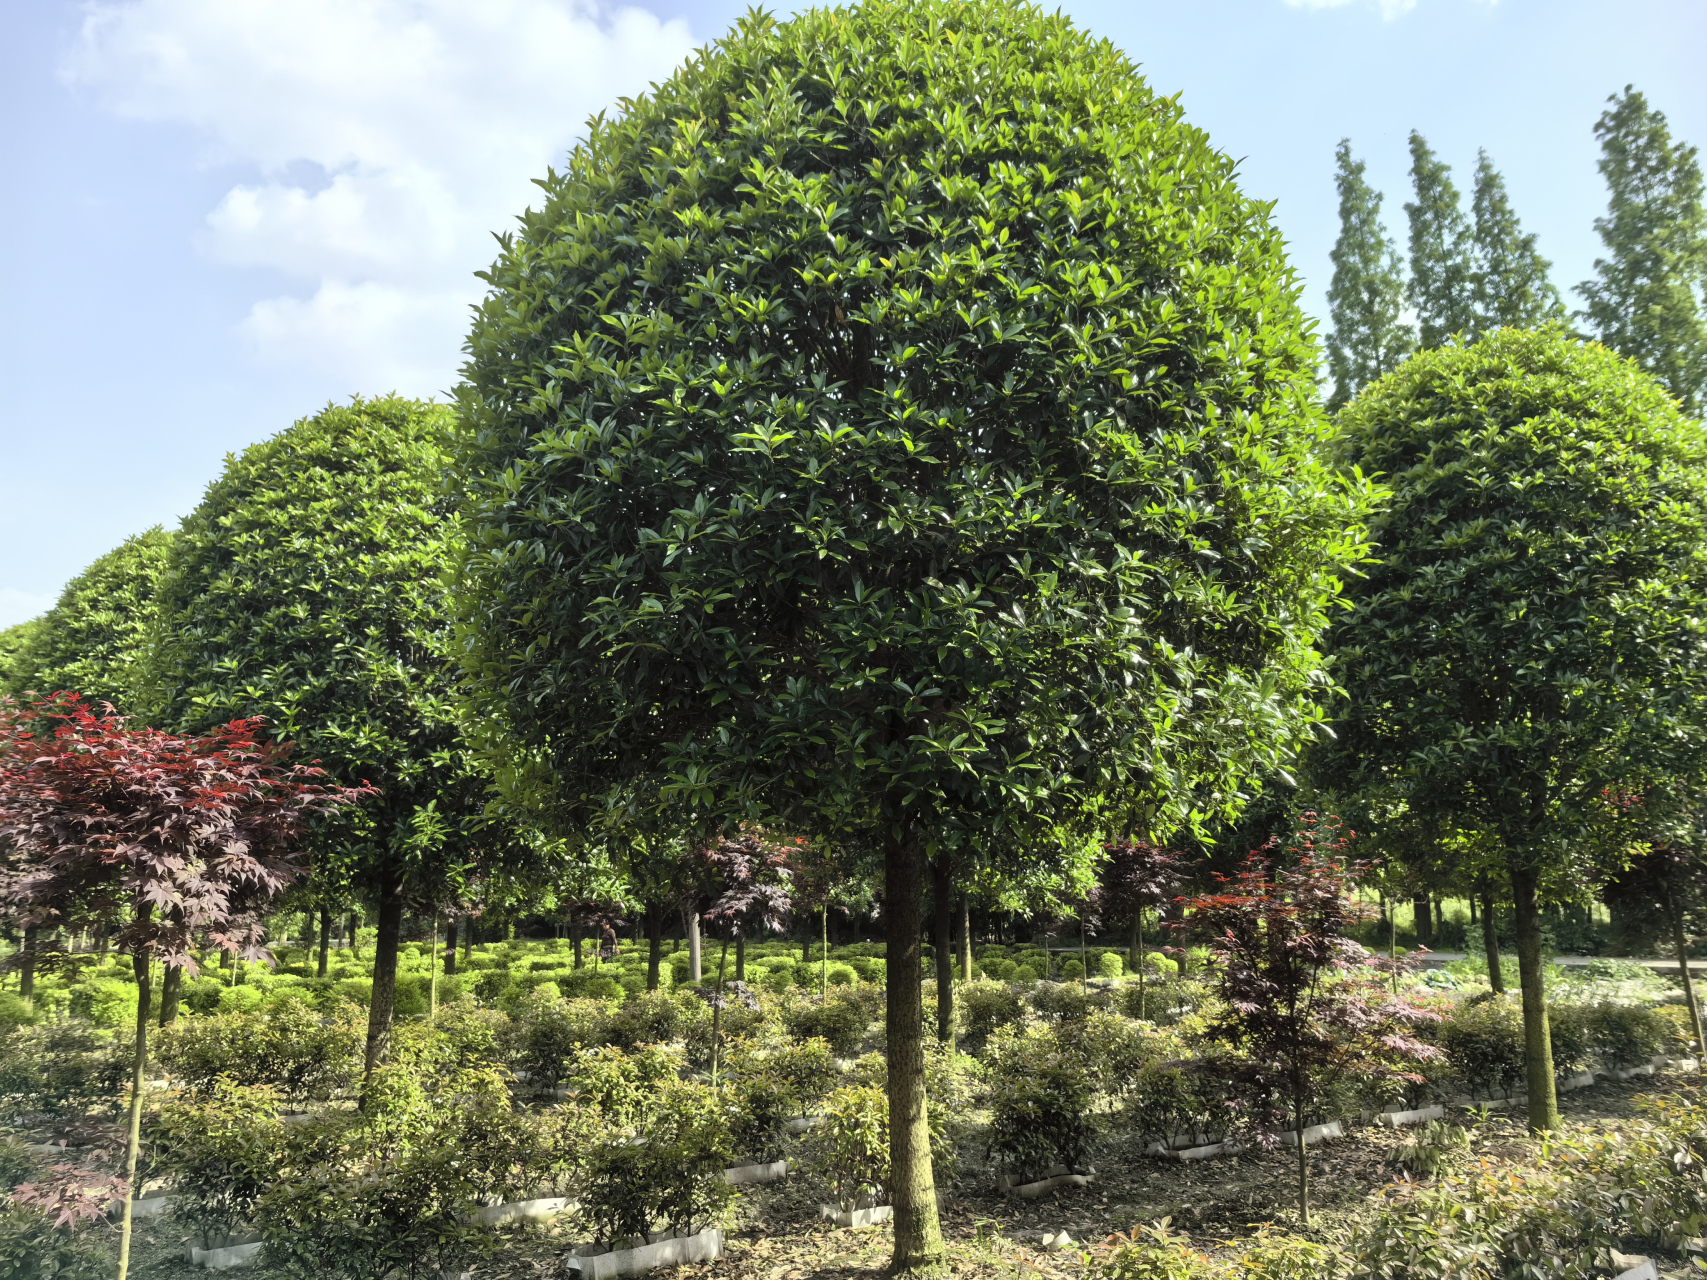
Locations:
{"points": [[1491, 945], [1133, 956], [1474, 916], [138, 1066], [27, 966], [355, 936], [655, 946], [1537, 1042], [824, 958], [1682, 948], [918, 1247], [575, 939], [433, 972], [1143, 964], [694, 973], [308, 934], [169, 988], [1303, 1152], [943, 890], [450, 947], [965, 939], [717, 1014], [325, 940], [384, 978], [740, 957], [469, 925]]}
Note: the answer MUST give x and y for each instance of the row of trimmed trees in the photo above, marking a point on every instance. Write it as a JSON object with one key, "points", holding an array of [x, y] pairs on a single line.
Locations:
{"points": [[898, 430]]}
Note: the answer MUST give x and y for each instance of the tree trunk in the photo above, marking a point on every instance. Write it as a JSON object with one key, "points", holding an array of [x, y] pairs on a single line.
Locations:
{"points": [[308, 933], [824, 957], [138, 1064], [717, 1013], [469, 925], [655, 947], [325, 940], [943, 891], [1303, 1153], [918, 1244], [27, 965], [355, 940], [169, 988], [1491, 945], [384, 978], [1682, 947], [1474, 918], [1422, 919], [1143, 963], [965, 939], [693, 946], [575, 939], [1537, 1042], [450, 947], [740, 957]]}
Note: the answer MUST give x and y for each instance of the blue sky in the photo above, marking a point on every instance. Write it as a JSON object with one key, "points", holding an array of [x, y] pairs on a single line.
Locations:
{"points": [[221, 214]]}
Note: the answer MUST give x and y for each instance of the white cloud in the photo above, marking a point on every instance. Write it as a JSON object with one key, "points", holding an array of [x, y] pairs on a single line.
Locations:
{"points": [[1390, 9], [390, 138], [20, 606]]}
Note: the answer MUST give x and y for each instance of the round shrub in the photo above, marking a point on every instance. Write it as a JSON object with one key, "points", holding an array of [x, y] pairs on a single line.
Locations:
{"points": [[1484, 1043], [842, 975], [1072, 971], [986, 1006], [1110, 965]]}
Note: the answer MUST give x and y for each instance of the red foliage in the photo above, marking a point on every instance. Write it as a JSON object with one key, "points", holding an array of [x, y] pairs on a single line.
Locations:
{"points": [[750, 878], [1301, 1000], [70, 1194], [177, 837], [1136, 876]]}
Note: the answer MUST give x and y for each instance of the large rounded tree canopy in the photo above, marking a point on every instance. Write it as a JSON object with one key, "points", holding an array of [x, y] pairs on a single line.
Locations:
{"points": [[901, 402]]}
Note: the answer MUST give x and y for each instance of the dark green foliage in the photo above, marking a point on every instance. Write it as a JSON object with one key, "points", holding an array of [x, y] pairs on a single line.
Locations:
{"points": [[61, 1069], [879, 374], [1528, 633], [1367, 293], [93, 640], [1040, 1103], [306, 588], [32, 1248], [841, 1021], [668, 1166], [1646, 300], [1442, 286], [987, 1006], [1512, 288], [222, 1150], [290, 1047], [1484, 1043]]}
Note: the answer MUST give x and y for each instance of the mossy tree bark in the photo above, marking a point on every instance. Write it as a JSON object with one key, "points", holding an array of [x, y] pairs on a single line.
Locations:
{"points": [[1537, 1042], [918, 1248], [384, 1000]]}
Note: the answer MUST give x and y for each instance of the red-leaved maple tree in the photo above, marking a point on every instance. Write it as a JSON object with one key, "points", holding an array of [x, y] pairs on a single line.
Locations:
{"points": [[1298, 999], [164, 839]]}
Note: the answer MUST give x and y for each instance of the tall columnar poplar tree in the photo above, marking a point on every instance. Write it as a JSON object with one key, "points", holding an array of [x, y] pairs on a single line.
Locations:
{"points": [[306, 588], [898, 424], [1367, 294], [1442, 286], [1646, 300], [1512, 288], [1529, 634], [91, 641]]}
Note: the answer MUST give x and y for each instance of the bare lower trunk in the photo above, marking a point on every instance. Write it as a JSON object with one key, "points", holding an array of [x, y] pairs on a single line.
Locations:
{"points": [[1422, 919], [325, 940], [1537, 1042], [384, 978], [740, 958], [655, 946], [694, 973], [575, 941], [1491, 944], [918, 1247], [717, 1014], [1682, 948], [469, 925], [169, 988], [133, 1136], [355, 938], [943, 888], [1143, 963], [450, 947], [1303, 1153], [965, 940], [27, 966]]}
